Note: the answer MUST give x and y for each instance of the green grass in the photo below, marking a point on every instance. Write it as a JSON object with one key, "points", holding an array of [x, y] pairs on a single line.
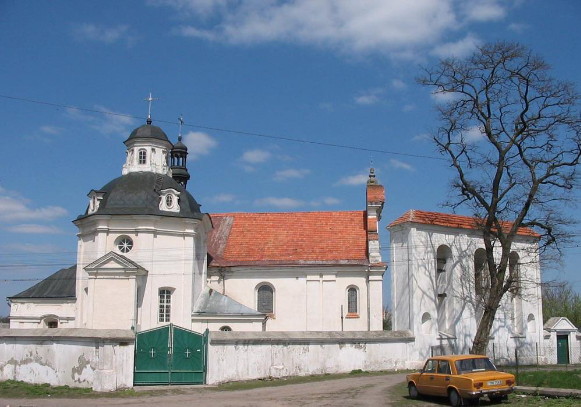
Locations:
{"points": [[12, 388], [561, 379], [399, 397]]}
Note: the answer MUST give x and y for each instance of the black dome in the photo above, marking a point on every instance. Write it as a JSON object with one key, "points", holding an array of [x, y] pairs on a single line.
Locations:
{"points": [[148, 131], [179, 146], [137, 193]]}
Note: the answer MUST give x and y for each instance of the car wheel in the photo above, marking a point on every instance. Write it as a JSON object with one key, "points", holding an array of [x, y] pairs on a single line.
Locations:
{"points": [[413, 391], [455, 398]]}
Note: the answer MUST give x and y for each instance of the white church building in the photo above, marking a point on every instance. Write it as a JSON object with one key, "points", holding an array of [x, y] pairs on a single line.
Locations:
{"points": [[147, 257], [234, 296], [439, 280]]}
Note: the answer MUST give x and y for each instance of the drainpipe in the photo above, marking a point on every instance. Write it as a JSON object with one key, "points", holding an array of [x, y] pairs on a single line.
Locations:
{"points": [[223, 278], [368, 300]]}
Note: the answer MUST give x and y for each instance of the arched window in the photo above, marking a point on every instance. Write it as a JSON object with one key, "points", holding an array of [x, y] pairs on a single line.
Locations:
{"points": [[444, 307], [265, 299], [164, 304], [480, 273], [352, 301], [514, 273], [225, 328], [51, 321], [426, 323], [517, 306], [443, 264], [142, 156], [531, 324]]}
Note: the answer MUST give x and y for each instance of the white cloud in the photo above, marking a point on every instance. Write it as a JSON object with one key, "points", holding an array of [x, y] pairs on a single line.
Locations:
{"points": [[34, 229], [327, 201], [359, 179], [398, 84], [256, 156], [51, 130], [401, 165], [32, 248], [458, 49], [349, 26], [369, 97], [291, 173], [106, 35], [473, 135], [483, 10], [107, 122], [198, 144], [444, 97], [408, 107], [281, 203], [223, 198], [400, 29], [422, 137], [518, 27], [15, 208]]}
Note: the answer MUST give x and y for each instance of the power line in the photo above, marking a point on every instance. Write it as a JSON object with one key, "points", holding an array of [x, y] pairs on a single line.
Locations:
{"points": [[224, 130]]}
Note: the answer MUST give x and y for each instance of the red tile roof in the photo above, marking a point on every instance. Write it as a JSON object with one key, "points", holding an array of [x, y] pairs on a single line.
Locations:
{"points": [[451, 221], [289, 238]]}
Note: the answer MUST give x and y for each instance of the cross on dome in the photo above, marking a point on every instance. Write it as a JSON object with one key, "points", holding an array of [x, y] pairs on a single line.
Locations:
{"points": [[149, 100]]}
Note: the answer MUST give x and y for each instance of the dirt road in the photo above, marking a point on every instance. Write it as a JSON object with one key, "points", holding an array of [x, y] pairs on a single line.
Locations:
{"points": [[353, 391]]}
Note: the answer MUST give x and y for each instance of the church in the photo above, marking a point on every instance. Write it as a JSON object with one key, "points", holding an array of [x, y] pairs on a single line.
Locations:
{"points": [[261, 294], [147, 257]]}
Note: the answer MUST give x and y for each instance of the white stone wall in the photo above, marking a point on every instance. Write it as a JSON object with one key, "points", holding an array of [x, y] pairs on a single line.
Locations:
{"points": [[234, 356], [308, 298], [32, 313], [99, 359], [415, 287]]}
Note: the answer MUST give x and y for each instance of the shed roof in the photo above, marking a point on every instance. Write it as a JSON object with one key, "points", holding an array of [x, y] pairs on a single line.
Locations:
{"points": [[58, 285]]}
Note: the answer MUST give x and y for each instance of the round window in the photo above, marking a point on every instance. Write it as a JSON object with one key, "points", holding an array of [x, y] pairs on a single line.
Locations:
{"points": [[169, 201], [124, 244]]}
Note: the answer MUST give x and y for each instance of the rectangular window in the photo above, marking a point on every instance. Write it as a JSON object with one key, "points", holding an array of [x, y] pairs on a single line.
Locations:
{"points": [[164, 305]]}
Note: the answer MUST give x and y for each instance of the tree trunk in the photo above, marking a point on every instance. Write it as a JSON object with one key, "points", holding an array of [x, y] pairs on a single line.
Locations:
{"points": [[482, 337]]}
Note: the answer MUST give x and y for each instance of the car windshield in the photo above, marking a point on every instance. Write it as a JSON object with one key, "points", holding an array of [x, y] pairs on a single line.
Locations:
{"points": [[474, 365]]}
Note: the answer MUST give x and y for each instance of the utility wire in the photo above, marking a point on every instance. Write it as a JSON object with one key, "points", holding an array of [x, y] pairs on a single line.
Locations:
{"points": [[223, 130]]}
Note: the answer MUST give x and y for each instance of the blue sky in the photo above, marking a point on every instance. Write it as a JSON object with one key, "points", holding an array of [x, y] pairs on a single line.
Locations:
{"points": [[271, 92]]}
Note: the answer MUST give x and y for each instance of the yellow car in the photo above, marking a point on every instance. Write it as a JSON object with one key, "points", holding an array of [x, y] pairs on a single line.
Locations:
{"points": [[460, 378]]}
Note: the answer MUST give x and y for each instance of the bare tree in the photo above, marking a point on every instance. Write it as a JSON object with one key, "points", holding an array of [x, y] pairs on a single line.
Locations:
{"points": [[512, 135]]}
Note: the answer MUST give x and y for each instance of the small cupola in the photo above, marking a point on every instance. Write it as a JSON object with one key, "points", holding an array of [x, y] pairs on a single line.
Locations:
{"points": [[179, 157], [147, 149]]}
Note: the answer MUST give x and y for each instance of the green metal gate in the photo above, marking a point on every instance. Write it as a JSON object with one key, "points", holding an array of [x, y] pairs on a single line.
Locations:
{"points": [[170, 355]]}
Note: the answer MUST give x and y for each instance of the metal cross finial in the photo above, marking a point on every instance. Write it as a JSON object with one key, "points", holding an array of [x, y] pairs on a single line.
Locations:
{"points": [[149, 100], [181, 120]]}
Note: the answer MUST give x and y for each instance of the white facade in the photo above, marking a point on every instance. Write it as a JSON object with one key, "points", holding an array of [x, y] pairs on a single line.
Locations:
{"points": [[309, 298], [144, 260], [437, 300]]}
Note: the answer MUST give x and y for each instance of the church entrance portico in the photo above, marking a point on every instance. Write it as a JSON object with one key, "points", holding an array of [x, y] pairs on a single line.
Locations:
{"points": [[170, 355]]}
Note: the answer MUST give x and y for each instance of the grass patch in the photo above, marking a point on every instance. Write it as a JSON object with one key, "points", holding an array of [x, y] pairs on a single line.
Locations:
{"points": [[399, 396], [560, 379], [16, 389], [12, 388]]}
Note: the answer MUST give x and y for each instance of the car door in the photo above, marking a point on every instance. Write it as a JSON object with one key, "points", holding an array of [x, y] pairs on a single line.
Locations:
{"points": [[425, 382], [441, 378]]}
